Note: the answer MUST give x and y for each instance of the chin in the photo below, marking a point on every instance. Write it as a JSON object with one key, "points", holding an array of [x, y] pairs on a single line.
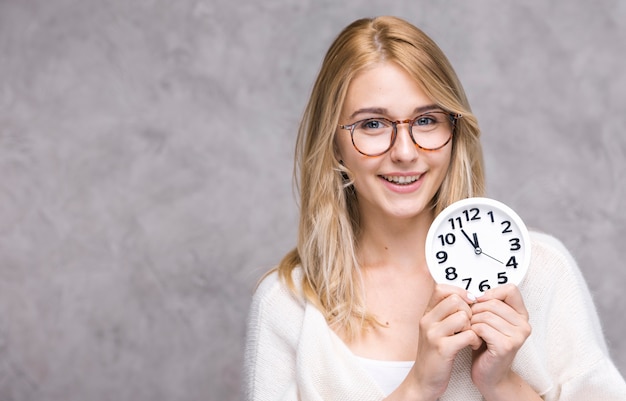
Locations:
{"points": [[407, 213]]}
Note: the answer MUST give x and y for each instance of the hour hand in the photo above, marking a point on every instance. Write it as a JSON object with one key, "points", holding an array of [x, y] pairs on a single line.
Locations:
{"points": [[474, 241]]}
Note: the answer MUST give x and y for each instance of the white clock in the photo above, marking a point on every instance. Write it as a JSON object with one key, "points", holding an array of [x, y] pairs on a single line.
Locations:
{"points": [[478, 244]]}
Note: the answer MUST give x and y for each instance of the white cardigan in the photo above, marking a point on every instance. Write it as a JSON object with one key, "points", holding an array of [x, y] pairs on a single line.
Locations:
{"points": [[292, 354]]}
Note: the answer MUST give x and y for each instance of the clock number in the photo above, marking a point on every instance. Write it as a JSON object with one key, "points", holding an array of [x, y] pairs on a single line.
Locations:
{"points": [[447, 239], [475, 216], [507, 228], [512, 262], [506, 223], [442, 256], [469, 281], [515, 246], [502, 278], [484, 286], [451, 273], [458, 220]]}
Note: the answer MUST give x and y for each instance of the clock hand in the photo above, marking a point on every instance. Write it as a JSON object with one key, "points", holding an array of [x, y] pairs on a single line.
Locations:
{"points": [[477, 249], [473, 242], [480, 252]]}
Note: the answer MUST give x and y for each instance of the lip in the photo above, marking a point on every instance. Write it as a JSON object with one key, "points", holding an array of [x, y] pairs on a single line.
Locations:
{"points": [[402, 188]]}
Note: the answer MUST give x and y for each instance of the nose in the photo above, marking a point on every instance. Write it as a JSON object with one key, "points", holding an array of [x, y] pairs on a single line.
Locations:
{"points": [[403, 149]]}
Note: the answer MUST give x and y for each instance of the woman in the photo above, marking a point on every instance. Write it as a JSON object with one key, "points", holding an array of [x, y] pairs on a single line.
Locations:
{"points": [[387, 141]]}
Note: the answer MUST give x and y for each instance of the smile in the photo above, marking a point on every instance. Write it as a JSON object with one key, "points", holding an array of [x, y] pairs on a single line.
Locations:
{"points": [[401, 180]]}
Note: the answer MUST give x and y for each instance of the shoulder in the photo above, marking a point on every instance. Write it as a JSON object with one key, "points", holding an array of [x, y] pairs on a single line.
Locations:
{"points": [[554, 285], [275, 316], [550, 257], [547, 246], [274, 303], [273, 332], [553, 271], [273, 289]]}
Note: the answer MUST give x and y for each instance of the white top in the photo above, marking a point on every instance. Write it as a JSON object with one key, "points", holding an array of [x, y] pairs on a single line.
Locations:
{"points": [[387, 374], [292, 354]]}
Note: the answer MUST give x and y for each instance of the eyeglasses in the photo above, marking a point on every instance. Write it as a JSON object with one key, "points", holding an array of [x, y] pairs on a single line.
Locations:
{"points": [[429, 131]]}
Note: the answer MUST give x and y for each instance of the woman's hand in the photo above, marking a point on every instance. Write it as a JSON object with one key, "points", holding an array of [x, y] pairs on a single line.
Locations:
{"points": [[445, 329], [500, 318]]}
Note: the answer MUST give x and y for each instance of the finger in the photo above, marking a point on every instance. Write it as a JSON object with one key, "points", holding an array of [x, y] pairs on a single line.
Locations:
{"points": [[443, 291], [448, 306], [519, 330], [463, 339], [500, 309], [497, 342], [476, 341], [454, 324], [492, 337], [507, 330], [509, 294]]}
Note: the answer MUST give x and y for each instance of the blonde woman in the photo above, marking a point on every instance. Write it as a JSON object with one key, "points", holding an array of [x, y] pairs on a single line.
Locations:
{"points": [[352, 312]]}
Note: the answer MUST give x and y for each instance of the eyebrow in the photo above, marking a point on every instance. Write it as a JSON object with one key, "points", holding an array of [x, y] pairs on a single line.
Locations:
{"points": [[381, 110]]}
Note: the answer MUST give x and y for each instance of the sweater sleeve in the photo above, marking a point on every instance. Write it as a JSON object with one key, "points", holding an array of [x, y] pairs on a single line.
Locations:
{"points": [[274, 322], [291, 353], [574, 343]]}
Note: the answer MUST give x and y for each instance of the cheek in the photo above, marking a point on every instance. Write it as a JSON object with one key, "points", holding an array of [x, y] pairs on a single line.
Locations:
{"points": [[442, 160], [439, 166], [359, 166]]}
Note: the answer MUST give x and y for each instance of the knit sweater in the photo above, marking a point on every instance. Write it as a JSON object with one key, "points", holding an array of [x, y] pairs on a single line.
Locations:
{"points": [[292, 354]]}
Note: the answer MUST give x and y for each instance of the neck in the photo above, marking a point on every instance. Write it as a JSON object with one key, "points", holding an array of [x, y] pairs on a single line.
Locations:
{"points": [[397, 243]]}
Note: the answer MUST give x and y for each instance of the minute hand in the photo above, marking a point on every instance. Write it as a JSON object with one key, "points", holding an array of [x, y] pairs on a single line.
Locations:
{"points": [[474, 242], [480, 251]]}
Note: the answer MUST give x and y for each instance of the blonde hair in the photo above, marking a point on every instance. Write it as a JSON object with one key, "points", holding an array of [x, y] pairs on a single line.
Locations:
{"points": [[329, 216]]}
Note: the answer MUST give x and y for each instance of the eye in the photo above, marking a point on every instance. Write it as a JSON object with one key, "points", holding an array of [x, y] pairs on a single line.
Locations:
{"points": [[425, 120], [372, 125]]}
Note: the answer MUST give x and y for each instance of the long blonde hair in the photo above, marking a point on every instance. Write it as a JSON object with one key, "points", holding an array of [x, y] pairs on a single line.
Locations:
{"points": [[329, 215]]}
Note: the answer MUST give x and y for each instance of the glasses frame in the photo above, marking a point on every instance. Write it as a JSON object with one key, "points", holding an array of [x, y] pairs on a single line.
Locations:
{"points": [[454, 117]]}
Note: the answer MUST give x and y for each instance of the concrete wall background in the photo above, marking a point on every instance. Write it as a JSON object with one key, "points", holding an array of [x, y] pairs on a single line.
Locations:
{"points": [[146, 155]]}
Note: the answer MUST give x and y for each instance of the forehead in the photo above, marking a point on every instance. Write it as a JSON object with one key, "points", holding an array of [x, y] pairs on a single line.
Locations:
{"points": [[385, 86]]}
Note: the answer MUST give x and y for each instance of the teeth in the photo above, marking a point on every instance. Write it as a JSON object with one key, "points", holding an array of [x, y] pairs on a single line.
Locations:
{"points": [[402, 180]]}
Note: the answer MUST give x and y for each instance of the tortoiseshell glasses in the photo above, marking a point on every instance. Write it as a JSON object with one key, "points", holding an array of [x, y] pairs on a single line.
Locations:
{"points": [[429, 131]]}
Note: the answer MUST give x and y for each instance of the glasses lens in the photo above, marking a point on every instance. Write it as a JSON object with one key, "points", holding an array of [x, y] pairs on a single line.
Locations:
{"points": [[372, 136], [432, 130]]}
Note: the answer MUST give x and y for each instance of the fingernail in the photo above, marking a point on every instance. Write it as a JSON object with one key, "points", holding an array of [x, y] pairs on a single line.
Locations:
{"points": [[471, 297]]}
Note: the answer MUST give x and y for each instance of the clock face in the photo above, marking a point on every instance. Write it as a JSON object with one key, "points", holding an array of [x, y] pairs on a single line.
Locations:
{"points": [[478, 244]]}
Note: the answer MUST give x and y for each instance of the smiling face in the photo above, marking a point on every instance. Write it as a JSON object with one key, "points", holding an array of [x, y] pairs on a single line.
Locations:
{"points": [[401, 183]]}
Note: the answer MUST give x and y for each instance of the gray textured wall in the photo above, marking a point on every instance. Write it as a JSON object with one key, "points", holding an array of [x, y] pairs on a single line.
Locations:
{"points": [[146, 155]]}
